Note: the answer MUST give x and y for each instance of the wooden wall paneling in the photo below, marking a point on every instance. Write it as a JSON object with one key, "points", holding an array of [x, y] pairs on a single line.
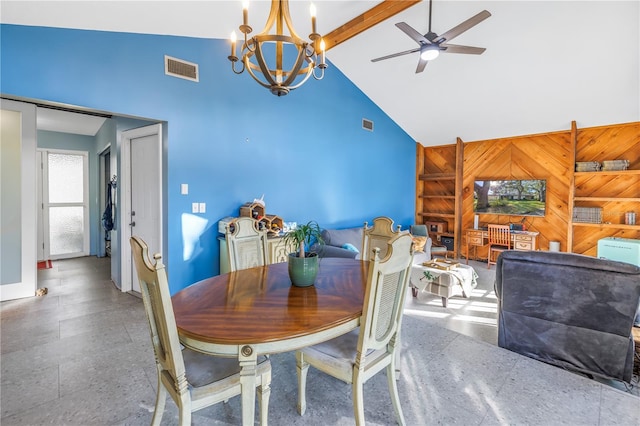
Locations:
{"points": [[457, 237], [611, 142], [570, 200], [419, 183], [551, 156], [541, 156]]}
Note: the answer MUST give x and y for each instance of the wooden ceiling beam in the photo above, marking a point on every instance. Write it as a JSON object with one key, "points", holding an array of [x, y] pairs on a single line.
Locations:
{"points": [[368, 19]]}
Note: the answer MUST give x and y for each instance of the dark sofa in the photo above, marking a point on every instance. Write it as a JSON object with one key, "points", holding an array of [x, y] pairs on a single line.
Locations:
{"points": [[569, 310]]}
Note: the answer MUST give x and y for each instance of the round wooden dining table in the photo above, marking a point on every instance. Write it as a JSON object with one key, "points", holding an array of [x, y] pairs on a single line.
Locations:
{"points": [[258, 311]]}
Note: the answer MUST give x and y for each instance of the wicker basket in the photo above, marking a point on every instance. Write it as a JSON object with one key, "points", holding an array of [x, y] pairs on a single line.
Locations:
{"points": [[587, 214]]}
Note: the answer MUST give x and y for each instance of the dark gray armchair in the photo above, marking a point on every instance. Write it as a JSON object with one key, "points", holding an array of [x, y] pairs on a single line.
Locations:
{"points": [[569, 310]]}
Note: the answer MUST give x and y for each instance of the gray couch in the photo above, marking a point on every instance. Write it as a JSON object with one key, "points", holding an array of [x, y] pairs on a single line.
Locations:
{"points": [[336, 240], [568, 310]]}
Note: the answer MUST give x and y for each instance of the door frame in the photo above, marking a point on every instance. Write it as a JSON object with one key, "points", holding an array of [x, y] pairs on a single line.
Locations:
{"points": [[26, 287], [124, 183], [102, 189], [45, 204]]}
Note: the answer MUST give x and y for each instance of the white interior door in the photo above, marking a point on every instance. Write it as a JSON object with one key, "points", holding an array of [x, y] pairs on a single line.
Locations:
{"points": [[18, 224], [65, 204], [142, 198]]}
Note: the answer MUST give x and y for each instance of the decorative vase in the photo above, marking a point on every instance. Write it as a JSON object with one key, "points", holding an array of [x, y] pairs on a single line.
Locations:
{"points": [[303, 270]]}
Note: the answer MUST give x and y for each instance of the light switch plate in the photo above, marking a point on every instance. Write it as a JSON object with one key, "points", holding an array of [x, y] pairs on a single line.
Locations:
{"points": [[194, 207], [184, 188], [203, 207]]}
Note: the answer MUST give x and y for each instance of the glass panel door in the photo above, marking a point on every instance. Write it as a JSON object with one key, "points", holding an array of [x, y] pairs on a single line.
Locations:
{"points": [[67, 204]]}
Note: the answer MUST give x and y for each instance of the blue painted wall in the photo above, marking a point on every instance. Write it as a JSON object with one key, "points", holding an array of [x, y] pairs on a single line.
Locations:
{"points": [[228, 138]]}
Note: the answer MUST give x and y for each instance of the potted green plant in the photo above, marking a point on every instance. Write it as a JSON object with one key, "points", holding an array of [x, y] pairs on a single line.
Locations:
{"points": [[303, 265]]}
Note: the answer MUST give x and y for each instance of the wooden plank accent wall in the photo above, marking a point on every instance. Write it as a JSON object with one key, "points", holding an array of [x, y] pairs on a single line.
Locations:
{"points": [[542, 156], [550, 156]]}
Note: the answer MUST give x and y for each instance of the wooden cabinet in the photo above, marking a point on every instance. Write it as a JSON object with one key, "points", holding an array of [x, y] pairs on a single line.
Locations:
{"points": [[524, 242], [438, 187], [613, 193]]}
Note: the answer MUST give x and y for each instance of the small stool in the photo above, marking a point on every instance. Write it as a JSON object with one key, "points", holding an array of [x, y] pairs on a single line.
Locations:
{"points": [[439, 250], [635, 332]]}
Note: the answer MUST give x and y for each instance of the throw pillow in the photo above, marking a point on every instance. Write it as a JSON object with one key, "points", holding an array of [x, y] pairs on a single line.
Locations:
{"points": [[419, 243], [350, 247]]}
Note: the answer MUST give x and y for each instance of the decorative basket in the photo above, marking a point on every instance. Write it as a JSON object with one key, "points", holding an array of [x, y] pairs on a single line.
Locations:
{"points": [[587, 214]]}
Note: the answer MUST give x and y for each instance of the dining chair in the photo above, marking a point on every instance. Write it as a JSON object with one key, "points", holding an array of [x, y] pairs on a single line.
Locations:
{"points": [[357, 356], [246, 244], [377, 235], [499, 240], [192, 379]]}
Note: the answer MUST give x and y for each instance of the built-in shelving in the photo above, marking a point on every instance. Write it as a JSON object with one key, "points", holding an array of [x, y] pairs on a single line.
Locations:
{"points": [[438, 186], [615, 192]]}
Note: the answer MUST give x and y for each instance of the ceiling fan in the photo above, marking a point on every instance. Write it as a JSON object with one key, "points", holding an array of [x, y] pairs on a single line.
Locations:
{"points": [[431, 44]]}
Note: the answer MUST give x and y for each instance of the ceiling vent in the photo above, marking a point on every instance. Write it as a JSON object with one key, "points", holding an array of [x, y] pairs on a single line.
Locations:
{"points": [[367, 124], [180, 68]]}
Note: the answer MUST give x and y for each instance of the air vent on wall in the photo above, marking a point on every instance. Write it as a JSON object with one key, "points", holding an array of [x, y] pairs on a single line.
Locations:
{"points": [[180, 68], [367, 124]]}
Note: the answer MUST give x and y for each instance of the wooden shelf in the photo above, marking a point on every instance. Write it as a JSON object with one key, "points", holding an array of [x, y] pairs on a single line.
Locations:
{"points": [[446, 197], [607, 225], [447, 215], [438, 176], [608, 172], [620, 199]]}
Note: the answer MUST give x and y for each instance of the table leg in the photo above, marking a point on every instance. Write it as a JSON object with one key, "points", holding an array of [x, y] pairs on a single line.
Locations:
{"points": [[248, 362]]}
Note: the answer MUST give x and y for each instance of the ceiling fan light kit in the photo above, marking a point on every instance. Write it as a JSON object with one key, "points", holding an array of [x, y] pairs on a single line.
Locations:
{"points": [[267, 57], [430, 52], [431, 44]]}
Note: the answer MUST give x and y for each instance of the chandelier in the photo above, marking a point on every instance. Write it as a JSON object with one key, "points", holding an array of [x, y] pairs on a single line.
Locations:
{"points": [[280, 62]]}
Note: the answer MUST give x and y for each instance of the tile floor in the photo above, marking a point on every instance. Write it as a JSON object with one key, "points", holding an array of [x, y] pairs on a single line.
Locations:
{"points": [[81, 356]]}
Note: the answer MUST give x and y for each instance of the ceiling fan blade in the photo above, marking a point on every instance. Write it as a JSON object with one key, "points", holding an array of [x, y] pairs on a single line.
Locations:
{"points": [[406, 52], [408, 30], [459, 29], [421, 64], [454, 48]]}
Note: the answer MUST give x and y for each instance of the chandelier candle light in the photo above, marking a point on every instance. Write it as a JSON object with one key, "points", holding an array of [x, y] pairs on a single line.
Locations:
{"points": [[279, 47]]}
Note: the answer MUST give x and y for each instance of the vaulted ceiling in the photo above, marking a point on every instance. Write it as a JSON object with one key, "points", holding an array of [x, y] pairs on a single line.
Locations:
{"points": [[547, 62]]}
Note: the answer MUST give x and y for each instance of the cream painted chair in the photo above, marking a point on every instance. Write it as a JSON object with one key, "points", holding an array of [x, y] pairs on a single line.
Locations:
{"points": [[377, 236], [246, 244], [357, 356], [192, 379]]}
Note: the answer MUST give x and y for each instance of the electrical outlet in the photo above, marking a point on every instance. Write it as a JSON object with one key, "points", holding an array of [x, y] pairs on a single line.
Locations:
{"points": [[203, 207], [194, 208], [184, 188]]}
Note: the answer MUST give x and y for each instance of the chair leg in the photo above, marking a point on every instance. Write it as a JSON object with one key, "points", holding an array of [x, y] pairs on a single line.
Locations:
{"points": [[395, 398], [264, 391], [358, 400], [302, 368], [161, 399]]}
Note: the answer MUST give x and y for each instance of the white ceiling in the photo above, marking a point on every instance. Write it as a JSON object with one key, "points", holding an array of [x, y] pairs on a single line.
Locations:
{"points": [[537, 75]]}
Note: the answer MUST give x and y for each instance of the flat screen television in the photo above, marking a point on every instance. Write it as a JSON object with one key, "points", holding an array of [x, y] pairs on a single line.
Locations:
{"points": [[510, 197]]}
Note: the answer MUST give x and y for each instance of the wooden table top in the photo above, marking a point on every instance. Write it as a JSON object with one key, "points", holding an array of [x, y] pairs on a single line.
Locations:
{"points": [[260, 305]]}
